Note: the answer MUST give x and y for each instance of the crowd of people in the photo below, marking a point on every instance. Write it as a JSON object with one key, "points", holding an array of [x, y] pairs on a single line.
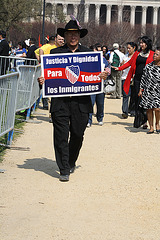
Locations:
{"points": [[134, 70]]}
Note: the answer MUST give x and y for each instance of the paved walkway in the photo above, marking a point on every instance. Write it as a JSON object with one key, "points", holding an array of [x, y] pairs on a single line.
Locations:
{"points": [[114, 193]]}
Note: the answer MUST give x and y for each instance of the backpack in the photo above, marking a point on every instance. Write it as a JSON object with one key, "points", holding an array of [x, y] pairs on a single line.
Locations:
{"points": [[116, 60]]}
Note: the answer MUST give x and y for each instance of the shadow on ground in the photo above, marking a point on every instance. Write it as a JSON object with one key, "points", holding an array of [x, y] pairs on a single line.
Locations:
{"points": [[45, 165], [129, 127], [115, 123], [136, 130], [122, 123], [115, 114], [42, 118]]}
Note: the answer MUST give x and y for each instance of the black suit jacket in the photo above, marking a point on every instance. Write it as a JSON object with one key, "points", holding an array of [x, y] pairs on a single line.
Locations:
{"points": [[4, 48], [84, 102], [4, 51], [31, 54]]}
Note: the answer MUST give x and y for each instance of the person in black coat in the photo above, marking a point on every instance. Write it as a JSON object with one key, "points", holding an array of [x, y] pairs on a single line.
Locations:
{"points": [[69, 114], [4, 51], [31, 54]]}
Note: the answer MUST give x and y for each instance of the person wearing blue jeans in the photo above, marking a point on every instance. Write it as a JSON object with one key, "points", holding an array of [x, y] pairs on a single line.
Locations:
{"points": [[125, 101], [131, 47], [99, 100]]}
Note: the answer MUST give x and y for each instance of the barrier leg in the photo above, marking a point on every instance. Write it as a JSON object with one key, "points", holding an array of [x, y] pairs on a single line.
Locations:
{"points": [[39, 99], [10, 137], [28, 113], [34, 107]]}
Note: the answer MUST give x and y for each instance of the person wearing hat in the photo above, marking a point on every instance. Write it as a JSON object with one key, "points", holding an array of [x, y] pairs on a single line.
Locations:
{"points": [[116, 58], [4, 51], [69, 114]]}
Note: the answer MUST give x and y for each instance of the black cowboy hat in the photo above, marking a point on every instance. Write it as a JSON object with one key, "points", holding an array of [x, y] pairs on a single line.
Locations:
{"points": [[72, 26]]}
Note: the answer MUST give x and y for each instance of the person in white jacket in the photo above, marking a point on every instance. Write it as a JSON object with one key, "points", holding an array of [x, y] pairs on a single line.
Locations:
{"points": [[116, 58]]}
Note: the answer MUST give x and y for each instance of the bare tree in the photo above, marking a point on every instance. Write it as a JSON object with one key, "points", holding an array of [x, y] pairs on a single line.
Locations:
{"points": [[12, 12], [104, 34]]}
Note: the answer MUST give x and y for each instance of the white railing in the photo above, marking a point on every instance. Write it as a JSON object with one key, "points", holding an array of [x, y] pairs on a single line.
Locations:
{"points": [[8, 97], [18, 91], [10, 63]]}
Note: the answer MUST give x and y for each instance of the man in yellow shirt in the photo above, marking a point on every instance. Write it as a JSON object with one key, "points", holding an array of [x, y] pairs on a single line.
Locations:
{"points": [[54, 42], [59, 41]]}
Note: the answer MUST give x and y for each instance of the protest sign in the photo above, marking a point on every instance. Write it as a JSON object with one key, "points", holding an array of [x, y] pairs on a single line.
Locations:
{"points": [[72, 74]]}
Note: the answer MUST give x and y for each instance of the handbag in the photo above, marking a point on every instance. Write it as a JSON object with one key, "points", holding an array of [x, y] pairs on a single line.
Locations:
{"points": [[109, 86], [140, 117]]}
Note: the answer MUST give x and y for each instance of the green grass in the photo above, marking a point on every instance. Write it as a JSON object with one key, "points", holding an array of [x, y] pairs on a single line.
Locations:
{"points": [[18, 126]]}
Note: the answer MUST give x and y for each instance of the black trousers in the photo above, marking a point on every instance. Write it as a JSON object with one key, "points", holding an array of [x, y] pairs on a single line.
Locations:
{"points": [[136, 91], [131, 108], [69, 126]]}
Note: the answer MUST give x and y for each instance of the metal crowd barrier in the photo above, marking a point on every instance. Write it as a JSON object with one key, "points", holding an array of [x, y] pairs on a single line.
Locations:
{"points": [[35, 88], [18, 91], [8, 97], [28, 88], [9, 64]]}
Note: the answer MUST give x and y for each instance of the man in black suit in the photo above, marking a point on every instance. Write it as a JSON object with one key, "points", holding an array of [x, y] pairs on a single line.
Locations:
{"points": [[69, 114], [4, 51], [31, 54]]}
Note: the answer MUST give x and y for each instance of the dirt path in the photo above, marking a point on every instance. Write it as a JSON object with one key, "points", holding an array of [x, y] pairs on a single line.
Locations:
{"points": [[114, 193]]}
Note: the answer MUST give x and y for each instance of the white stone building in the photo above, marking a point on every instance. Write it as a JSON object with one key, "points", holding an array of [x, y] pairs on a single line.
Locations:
{"points": [[106, 11]]}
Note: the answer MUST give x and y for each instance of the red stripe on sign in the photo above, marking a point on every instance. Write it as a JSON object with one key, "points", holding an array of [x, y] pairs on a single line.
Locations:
{"points": [[54, 73], [59, 73]]}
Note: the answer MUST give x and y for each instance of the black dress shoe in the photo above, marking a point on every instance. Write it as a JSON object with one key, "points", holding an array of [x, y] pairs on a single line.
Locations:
{"points": [[72, 169], [45, 107], [150, 132], [50, 120], [124, 115], [64, 178]]}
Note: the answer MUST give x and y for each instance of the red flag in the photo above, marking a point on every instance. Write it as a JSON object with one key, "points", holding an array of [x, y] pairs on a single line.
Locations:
{"points": [[39, 41]]}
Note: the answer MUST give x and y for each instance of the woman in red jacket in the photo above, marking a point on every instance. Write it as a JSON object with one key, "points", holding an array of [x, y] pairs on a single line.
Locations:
{"points": [[137, 64]]}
